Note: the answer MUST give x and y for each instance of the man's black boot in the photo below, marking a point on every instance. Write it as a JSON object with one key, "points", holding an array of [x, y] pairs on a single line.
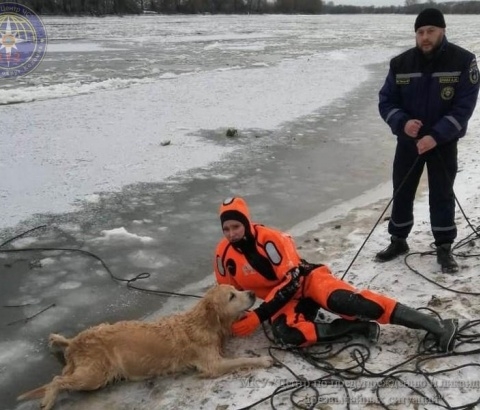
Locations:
{"points": [[398, 246], [339, 328], [444, 330], [445, 258]]}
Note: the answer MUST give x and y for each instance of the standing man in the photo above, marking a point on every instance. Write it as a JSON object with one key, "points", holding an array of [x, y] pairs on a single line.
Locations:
{"points": [[428, 97]]}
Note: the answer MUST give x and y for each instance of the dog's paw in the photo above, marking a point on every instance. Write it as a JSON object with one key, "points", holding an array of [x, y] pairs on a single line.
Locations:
{"points": [[266, 361], [56, 340]]}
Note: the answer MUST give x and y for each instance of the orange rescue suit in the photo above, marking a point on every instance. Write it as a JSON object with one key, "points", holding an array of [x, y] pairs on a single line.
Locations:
{"points": [[261, 264]]}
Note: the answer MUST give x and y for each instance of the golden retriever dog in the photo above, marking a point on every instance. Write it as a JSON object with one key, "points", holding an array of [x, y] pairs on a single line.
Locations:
{"points": [[136, 350]]}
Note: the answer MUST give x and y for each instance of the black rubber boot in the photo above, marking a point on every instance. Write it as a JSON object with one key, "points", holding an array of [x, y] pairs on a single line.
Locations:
{"points": [[444, 331], [397, 247], [328, 332], [445, 258]]}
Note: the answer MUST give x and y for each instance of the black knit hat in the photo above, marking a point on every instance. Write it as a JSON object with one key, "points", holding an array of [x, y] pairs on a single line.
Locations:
{"points": [[430, 17], [235, 215]]}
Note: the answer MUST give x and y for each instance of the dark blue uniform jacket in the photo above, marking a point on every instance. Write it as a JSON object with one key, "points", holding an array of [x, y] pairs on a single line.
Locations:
{"points": [[441, 92]]}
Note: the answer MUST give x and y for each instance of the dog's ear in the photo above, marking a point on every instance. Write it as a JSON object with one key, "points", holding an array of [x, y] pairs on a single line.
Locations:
{"points": [[211, 310]]}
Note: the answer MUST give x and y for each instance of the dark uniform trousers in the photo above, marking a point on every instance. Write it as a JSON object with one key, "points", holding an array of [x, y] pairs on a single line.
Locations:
{"points": [[442, 168]]}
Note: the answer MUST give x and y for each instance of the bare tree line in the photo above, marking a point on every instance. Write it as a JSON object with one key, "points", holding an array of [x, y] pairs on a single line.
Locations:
{"points": [[410, 7], [105, 7], [451, 7]]}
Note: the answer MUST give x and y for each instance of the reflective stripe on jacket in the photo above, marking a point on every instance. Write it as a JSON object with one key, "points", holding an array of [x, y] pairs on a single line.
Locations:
{"points": [[441, 92]]}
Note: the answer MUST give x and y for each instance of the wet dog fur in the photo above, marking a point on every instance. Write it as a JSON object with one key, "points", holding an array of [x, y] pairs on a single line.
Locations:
{"points": [[137, 350]]}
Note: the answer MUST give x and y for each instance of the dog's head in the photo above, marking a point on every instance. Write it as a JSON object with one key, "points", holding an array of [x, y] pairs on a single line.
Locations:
{"points": [[227, 303]]}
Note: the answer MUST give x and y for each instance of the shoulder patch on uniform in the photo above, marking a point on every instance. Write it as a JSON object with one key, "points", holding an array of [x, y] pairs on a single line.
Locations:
{"points": [[272, 253], [473, 72]]}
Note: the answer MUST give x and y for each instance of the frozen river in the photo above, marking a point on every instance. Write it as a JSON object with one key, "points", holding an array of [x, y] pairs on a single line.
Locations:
{"points": [[117, 144]]}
